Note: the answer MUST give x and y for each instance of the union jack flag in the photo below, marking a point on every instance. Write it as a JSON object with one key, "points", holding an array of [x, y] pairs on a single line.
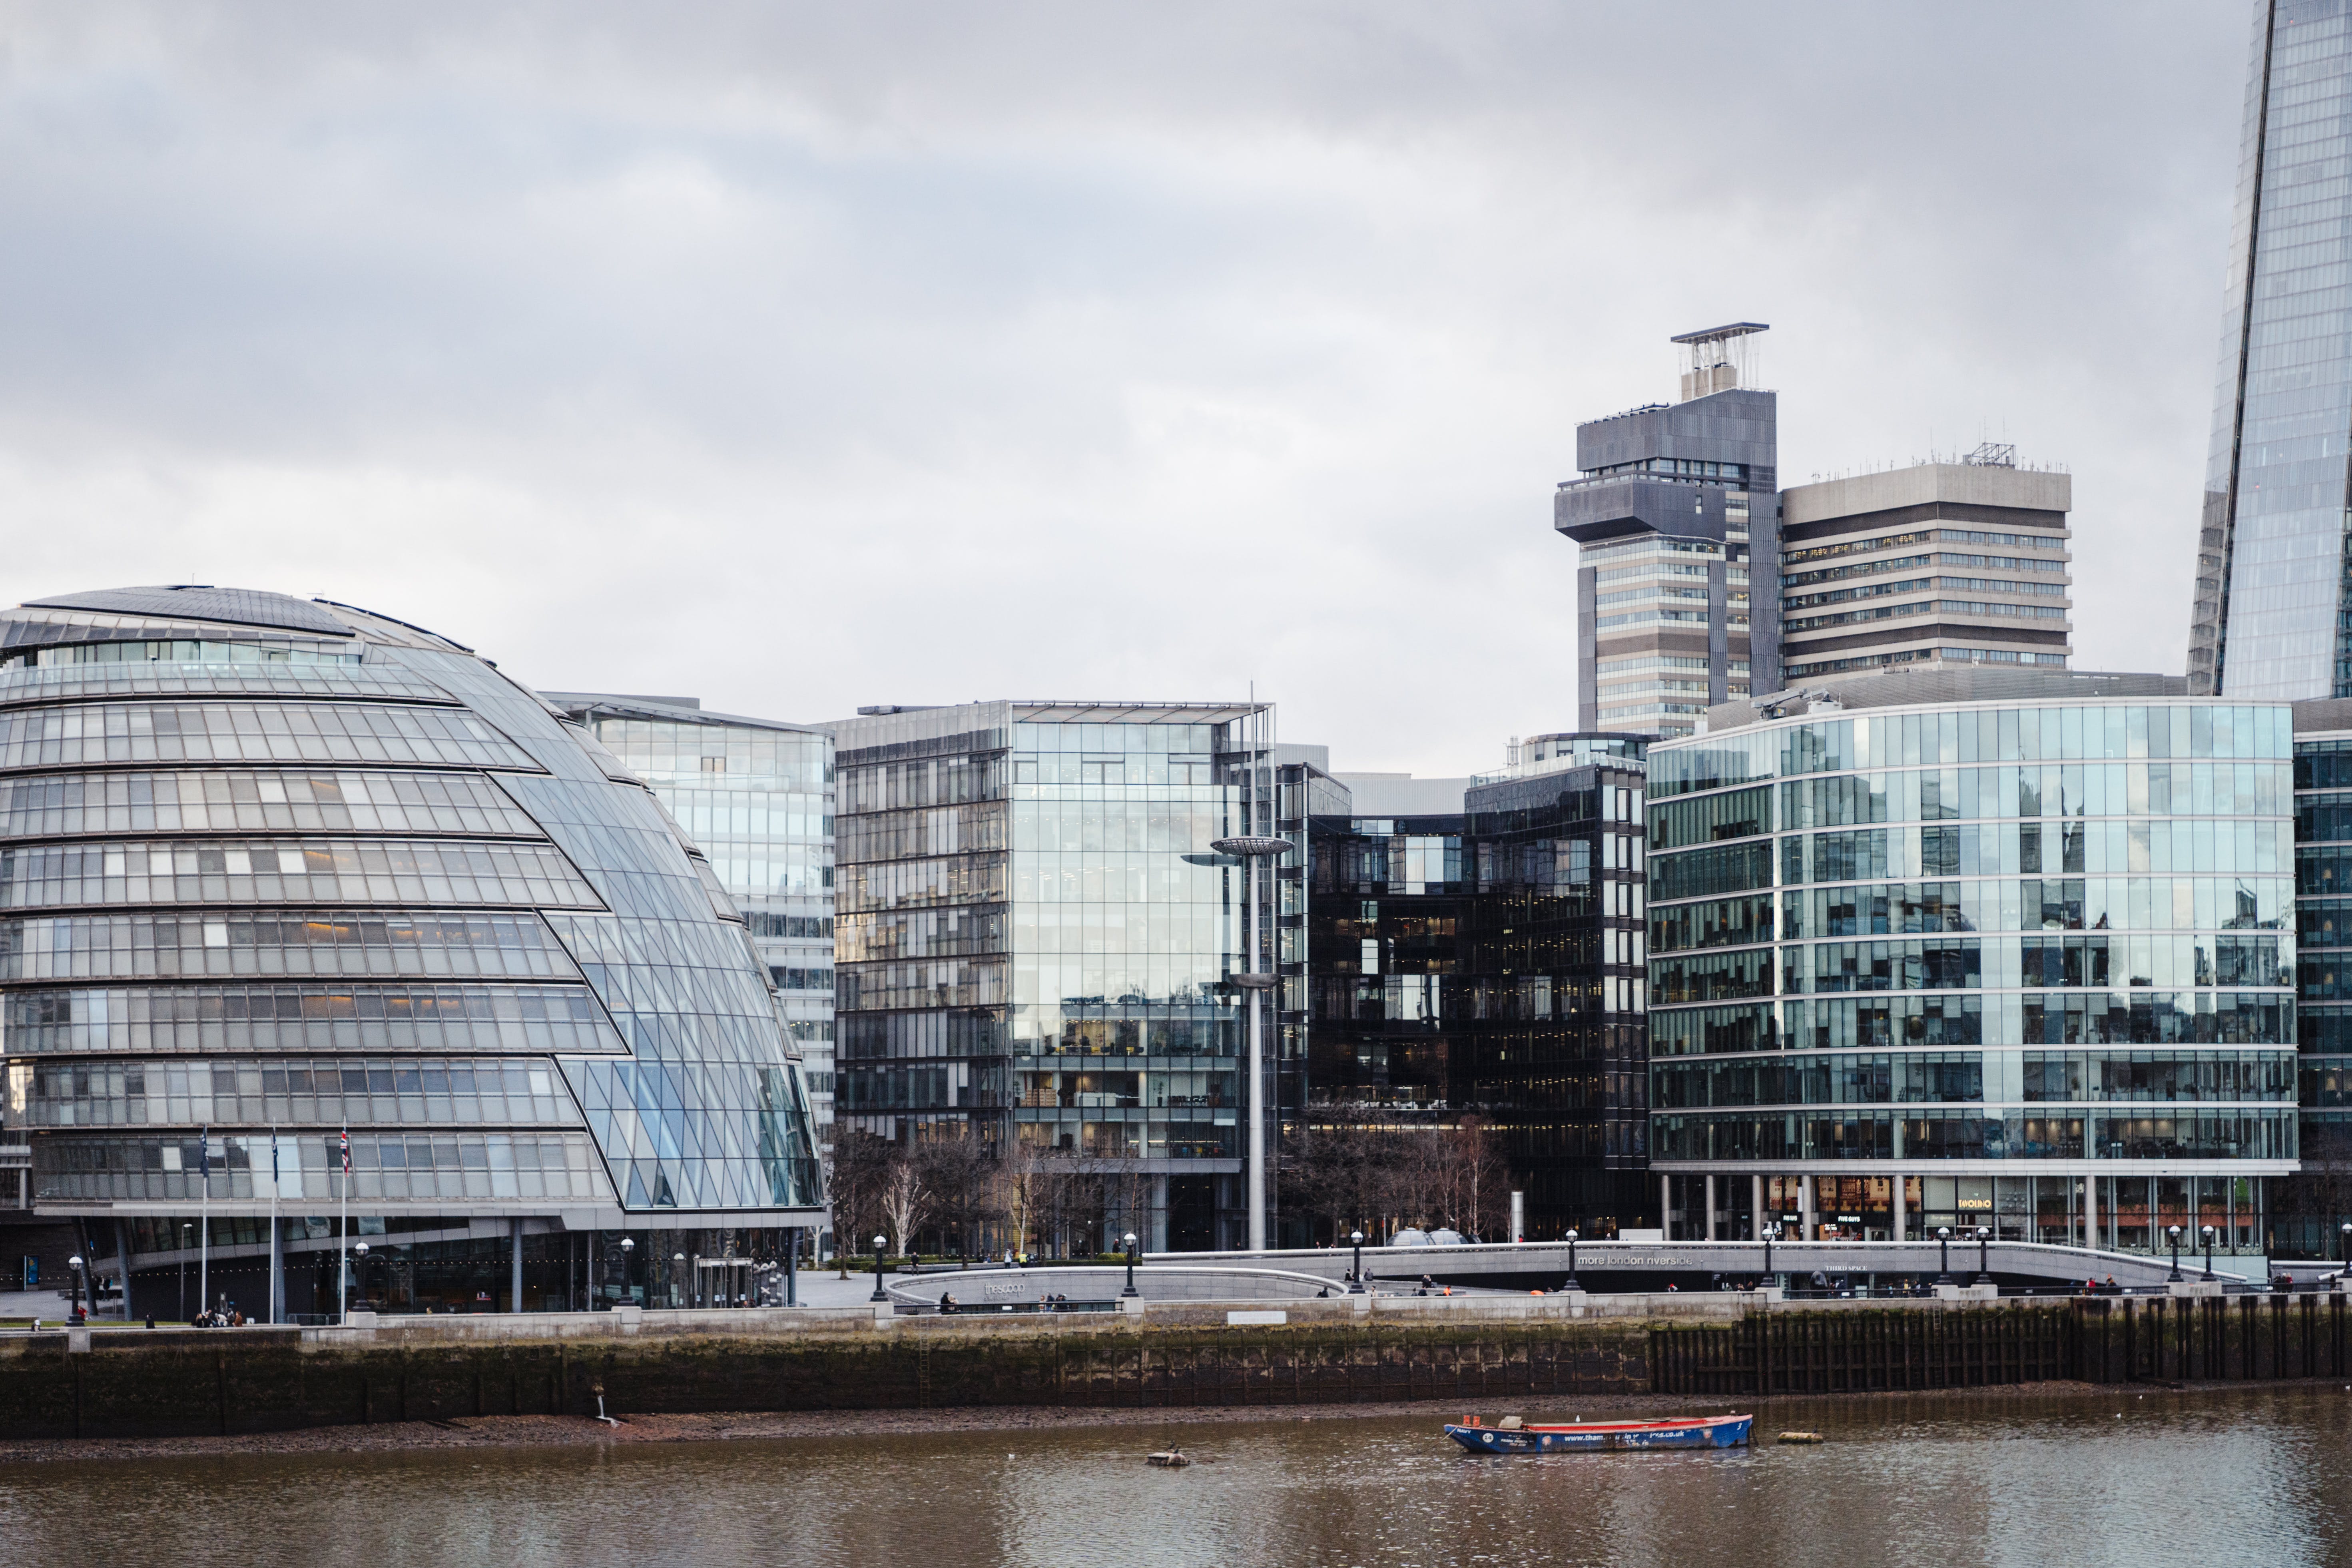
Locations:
{"points": [[347, 1151]]}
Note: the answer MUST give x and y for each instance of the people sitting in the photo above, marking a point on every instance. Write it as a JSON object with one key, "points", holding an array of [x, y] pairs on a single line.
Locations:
{"points": [[947, 1304]]}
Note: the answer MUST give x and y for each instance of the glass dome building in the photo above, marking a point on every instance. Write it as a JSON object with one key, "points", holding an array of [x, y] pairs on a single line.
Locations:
{"points": [[273, 870], [2011, 949]]}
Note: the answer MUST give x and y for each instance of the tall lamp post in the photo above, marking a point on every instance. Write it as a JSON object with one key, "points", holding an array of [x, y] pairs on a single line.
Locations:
{"points": [[1770, 1232], [1356, 1278], [2208, 1231], [1944, 1255], [74, 1263], [1984, 1242], [185, 1229], [1249, 850], [2346, 1249], [1571, 1282], [2172, 1232], [627, 1247], [1130, 1239], [879, 1243], [360, 1252]]}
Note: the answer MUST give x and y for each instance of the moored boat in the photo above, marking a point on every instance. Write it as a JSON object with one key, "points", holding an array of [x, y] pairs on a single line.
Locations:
{"points": [[1513, 1436]]}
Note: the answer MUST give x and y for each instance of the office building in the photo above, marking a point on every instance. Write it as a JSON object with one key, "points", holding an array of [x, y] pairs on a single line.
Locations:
{"points": [[1672, 508], [281, 868], [1475, 953], [756, 797], [1976, 946], [1937, 562], [2269, 620], [1035, 940], [2311, 1208]]}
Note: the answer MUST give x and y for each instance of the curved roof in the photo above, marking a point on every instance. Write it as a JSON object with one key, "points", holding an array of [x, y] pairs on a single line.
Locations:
{"points": [[201, 601]]}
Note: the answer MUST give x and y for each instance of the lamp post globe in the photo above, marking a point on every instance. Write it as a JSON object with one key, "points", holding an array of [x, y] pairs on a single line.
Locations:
{"points": [[1770, 1232], [2207, 1231], [1129, 1241], [1984, 1241], [2347, 1251], [879, 1243], [1944, 1255], [74, 1279], [1356, 1277], [1571, 1282], [2172, 1234]]}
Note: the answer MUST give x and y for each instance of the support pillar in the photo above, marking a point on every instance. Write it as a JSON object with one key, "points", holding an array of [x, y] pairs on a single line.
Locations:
{"points": [[276, 1272], [1756, 1219], [122, 1251], [514, 1286], [1901, 1208], [1710, 1206], [1805, 1188], [1666, 1206], [2091, 1236]]}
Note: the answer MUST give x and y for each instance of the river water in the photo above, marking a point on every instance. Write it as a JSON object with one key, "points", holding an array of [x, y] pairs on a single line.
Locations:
{"points": [[2255, 1477]]}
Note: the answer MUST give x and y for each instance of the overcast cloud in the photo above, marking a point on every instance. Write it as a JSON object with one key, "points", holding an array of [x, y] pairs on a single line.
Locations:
{"points": [[800, 357]]}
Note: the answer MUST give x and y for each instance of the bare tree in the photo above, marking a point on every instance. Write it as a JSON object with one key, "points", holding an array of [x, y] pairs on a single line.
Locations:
{"points": [[862, 1165], [906, 1200], [960, 1174]]}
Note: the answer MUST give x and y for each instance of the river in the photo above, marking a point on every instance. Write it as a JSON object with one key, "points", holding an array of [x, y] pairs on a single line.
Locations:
{"points": [[2078, 1481]]}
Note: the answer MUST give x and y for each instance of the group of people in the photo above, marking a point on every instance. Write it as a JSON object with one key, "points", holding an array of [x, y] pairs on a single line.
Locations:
{"points": [[224, 1316]]}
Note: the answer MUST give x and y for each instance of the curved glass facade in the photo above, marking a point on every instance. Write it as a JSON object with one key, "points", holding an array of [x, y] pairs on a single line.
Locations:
{"points": [[272, 868], [2029, 964]]}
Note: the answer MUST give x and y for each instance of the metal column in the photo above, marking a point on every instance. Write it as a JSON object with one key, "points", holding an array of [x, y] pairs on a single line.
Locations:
{"points": [[1710, 1206], [1249, 848], [514, 1299], [1666, 1206], [1901, 1209], [1805, 1186], [1756, 1207]]}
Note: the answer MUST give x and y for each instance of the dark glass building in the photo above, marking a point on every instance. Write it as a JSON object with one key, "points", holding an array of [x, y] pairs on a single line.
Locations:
{"points": [[275, 869], [1488, 963], [2270, 620], [2309, 1209]]}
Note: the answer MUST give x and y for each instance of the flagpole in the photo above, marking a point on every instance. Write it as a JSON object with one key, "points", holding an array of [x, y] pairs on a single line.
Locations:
{"points": [[205, 1228], [276, 1269]]}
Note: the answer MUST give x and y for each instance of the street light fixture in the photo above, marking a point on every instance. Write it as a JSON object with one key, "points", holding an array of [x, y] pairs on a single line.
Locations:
{"points": [[1356, 1280], [879, 1243], [2209, 1250], [2347, 1273], [1944, 1255], [2173, 1232], [1984, 1240], [1130, 1239], [1571, 1282], [1770, 1232], [627, 1247], [678, 1268], [1249, 850], [74, 1262], [360, 1251]]}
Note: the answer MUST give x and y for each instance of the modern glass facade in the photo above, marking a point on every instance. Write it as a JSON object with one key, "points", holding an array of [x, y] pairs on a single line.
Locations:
{"points": [[1488, 963], [2270, 620], [2312, 1208], [272, 868], [2024, 960], [1034, 936], [756, 796]]}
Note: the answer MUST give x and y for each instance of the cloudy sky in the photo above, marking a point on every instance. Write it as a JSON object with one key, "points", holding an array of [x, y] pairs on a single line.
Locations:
{"points": [[802, 356]]}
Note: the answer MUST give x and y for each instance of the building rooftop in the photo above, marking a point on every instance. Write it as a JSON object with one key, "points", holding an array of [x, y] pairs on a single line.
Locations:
{"points": [[1903, 687]]}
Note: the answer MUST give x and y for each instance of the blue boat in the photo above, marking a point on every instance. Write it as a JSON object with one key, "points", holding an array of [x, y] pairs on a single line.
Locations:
{"points": [[1515, 1436]]}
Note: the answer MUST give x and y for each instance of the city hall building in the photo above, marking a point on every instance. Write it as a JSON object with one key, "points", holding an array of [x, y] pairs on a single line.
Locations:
{"points": [[1975, 947], [276, 868]]}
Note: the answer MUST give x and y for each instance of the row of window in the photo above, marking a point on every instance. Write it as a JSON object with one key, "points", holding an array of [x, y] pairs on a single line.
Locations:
{"points": [[338, 941], [233, 801], [252, 732], [2091, 1018], [361, 870], [414, 1169], [1994, 1077], [1971, 1135]]}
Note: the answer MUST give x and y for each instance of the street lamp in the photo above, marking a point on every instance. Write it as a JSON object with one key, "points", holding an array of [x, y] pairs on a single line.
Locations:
{"points": [[1944, 1255], [2346, 1274], [1571, 1282], [627, 1247], [185, 1229], [1356, 1280], [1130, 1239], [1770, 1232], [74, 1262], [880, 1242], [2209, 1250], [2173, 1232], [1984, 1240], [360, 1251], [1249, 850], [678, 1269]]}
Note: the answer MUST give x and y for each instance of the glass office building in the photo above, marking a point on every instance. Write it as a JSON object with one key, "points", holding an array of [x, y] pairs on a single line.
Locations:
{"points": [[756, 796], [1035, 938], [278, 868], [1488, 964], [2270, 620], [2311, 1208], [1976, 947]]}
